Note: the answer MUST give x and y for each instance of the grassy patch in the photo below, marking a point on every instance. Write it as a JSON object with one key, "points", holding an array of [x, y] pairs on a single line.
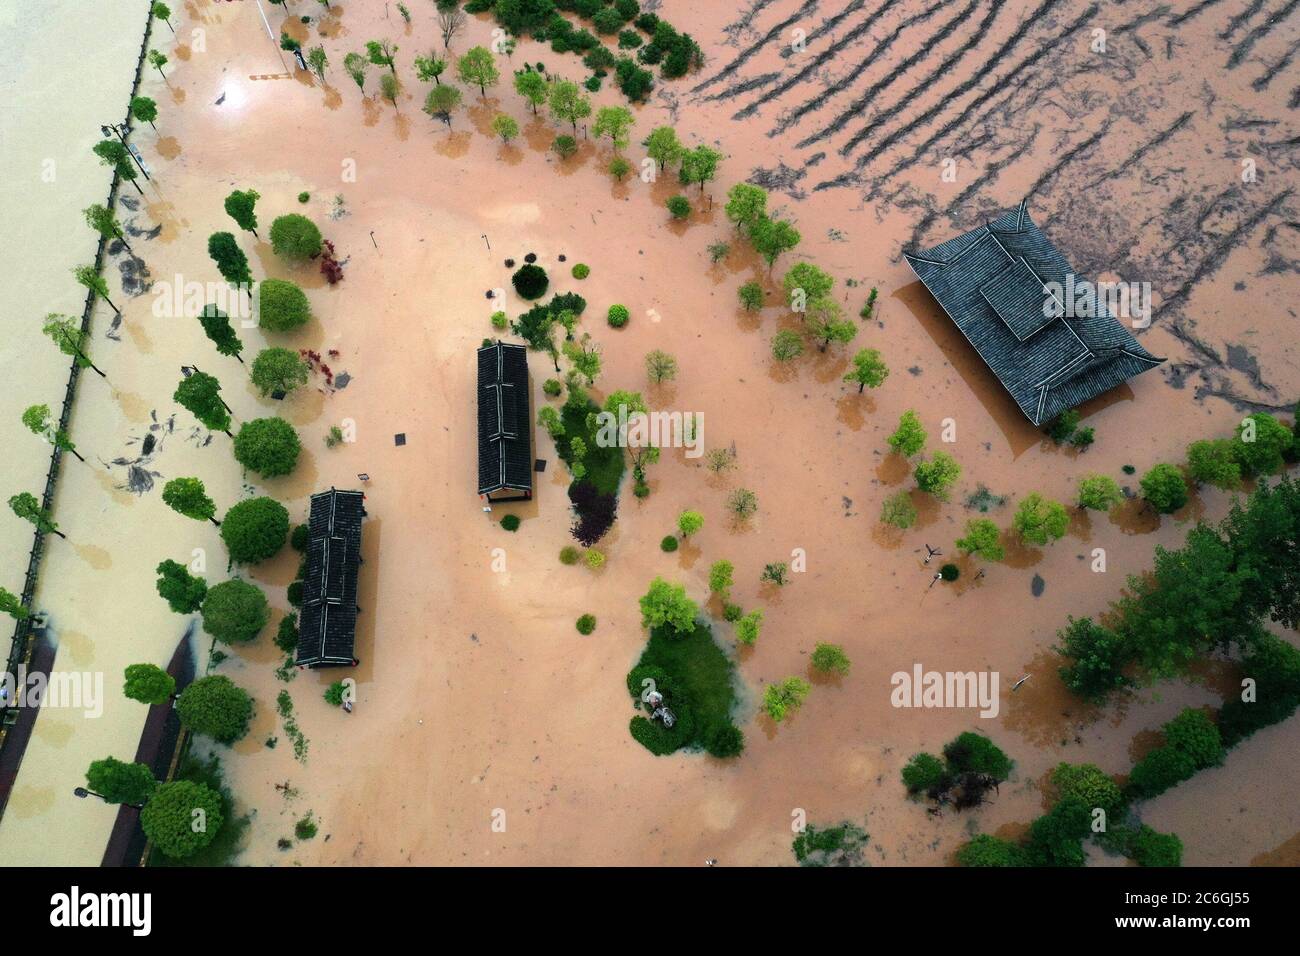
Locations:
{"points": [[226, 845], [604, 465], [697, 680]]}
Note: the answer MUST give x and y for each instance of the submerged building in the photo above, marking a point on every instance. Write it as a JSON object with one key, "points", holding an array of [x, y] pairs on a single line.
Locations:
{"points": [[1002, 286], [505, 434], [327, 626]]}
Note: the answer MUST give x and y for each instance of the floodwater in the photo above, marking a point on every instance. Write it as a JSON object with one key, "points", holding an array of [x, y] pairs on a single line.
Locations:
{"points": [[479, 703]]}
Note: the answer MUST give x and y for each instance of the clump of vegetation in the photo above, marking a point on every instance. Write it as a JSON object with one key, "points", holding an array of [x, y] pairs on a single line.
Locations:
{"points": [[215, 707], [295, 237], [784, 697], [697, 681], [841, 845], [897, 511], [580, 270], [586, 624], [972, 765], [669, 543], [305, 829], [751, 296], [830, 659], [510, 522], [618, 316], [679, 207], [255, 530], [530, 281], [569, 555]]}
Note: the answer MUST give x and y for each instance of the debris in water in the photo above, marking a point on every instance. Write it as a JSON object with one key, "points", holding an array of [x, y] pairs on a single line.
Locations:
{"points": [[1037, 586]]}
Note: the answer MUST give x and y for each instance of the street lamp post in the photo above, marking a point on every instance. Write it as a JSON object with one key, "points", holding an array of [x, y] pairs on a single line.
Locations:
{"points": [[113, 127], [83, 793]]}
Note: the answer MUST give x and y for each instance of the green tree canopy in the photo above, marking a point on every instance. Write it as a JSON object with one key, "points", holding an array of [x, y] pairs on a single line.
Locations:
{"points": [[936, 476], [1165, 488], [1214, 462], [869, 370], [268, 446], [200, 394], [282, 306], [982, 540], [667, 604], [746, 204], [909, 438], [1099, 492], [235, 611], [478, 68], [230, 259], [120, 782], [663, 146], [182, 817], [784, 697], [241, 207], [568, 103], [148, 683], [532, 87], [295, 237], [188, 497], [255, 529], [278, 370], [1039, 520], [217, 327], [614, 122], [830, 659], [183, 592]]}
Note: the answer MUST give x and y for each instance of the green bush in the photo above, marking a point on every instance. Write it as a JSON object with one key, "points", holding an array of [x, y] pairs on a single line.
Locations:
{"points": [[169, 818], [530, 281], [281, 306], [697, 680], [669, 543], [294, 593], [148, 683], [267, 446], [987, 850], [679, 206], [334, 693], [295, 237], [299, 538], [121, 782], [510, 522], [1151, 848], [586, 624], [726, 742], [618, 316], [581, 270], [569, 555], [1159, 770], [286, 636], [552, 387], [924, 772], [1088, 785], [255, 530]]}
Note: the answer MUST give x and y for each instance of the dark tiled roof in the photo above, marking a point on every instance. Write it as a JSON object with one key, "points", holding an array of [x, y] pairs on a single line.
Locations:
{"points": [[505, 449], [991, 282], [328, 624]]}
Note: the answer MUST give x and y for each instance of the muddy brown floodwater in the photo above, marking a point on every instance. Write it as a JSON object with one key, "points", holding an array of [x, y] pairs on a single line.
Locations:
{"points": [[478, 700]]}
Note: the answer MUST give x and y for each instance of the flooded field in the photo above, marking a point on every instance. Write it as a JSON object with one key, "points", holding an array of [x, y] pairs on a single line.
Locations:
{"points": [[1168, 157]]}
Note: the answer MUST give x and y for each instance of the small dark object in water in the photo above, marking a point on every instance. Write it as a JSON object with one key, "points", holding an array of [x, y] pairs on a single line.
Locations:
{"points": [[489, 293], [148, 446], [399, 439], [1037, 586], [531, 257], [563, 257], [510, 263]]}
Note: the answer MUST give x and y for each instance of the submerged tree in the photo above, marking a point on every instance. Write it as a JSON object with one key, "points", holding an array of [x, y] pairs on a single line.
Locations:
{"points": [[39, 421], [441, 102], [188, 497], [240, 206], [784, 697], [430, 68], [25, 506], [89, 277], [532, 87], [1039, 520], [354, 64], [71, 340], [231, 261], [145, 109], [183, 592], [909, 438], [982, 540], [200, 394], [318, 60], [103, 221], [478, 68], [119, 782], [614, 122], [663, 146], [217, 327], [12, 605], [382, 53], [869, 370], [148, 683], [114, 154], [568, 103]]}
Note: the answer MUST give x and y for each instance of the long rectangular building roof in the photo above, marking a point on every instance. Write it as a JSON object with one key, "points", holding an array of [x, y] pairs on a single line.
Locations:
{"points": [[328, 624], [505, 458], [993, 282]]}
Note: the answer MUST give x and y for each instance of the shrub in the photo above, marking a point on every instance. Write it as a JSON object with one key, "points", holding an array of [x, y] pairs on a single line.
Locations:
{"points": [[586, 624], [530, 281], [1262, 444], [278, 370], [299, 538], [569, 554], [596, 512], [751, 296], [334, 693], [679, 206], [510, 522], [726, 742], [1097, 657], [282, 306], [1196, 735], [594, 559], [304, 197], [936, 476], [950, 572], [732, 612], [565, 145], [268, 446], [1060, 428], [742, 503], [168, 818], [1149, 847], [633, 82], [295, 237], [924, 773], [255, 530], [898, 511], [784, 697], [974, 753], [1165, 488], [629, 40], [580, 271], [986, 850], [305, 829], [1214, 463], [286, 636], [618, 316], [830, 658], [1039, 520], [1099, 492], [1088, 785], [294, 593], [215, 707], [1159, 770], [619, 167], [235, 611]]}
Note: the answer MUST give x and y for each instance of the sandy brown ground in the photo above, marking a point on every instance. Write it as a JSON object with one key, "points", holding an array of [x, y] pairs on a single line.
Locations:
{"points": [[476, 693]]}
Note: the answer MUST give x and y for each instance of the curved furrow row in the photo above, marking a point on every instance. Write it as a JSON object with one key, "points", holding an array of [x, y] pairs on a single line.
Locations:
{"points": [[1219, 253], [828, 25], [992, 170], [817, 61], [743, 57], [1136, 156], [1261, 31], [1075, 152], [816, 102], [935, 75], [1235, 23], [1264, 79], [1193, 11], [997, 87]]}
